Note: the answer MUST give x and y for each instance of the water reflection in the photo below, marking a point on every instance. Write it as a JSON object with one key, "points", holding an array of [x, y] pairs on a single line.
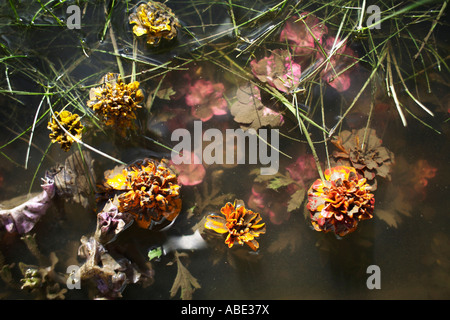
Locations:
{"points": [[237, 65]]}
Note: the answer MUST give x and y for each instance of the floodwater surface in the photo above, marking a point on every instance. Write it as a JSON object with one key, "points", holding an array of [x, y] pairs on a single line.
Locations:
{"points": [[234, 65]]}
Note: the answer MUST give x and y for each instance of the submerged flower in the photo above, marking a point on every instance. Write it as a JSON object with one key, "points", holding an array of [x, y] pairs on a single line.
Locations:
{"points": [[116, 102], [150, 193], [370, 160], [340, 201], [302, 33], [206, 99], [341, 61], [190, 172], [278, 70], [156, 21], [303, 169], [422, 172], [241, 224], [71, 124]]}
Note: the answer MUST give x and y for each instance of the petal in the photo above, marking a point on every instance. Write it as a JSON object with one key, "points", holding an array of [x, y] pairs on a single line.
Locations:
{"points": [[216, 223]]}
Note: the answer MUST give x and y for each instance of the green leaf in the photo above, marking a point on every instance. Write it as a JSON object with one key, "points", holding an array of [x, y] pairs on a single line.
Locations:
{"points": [[296, 200], [155, 253], [280, 181]]}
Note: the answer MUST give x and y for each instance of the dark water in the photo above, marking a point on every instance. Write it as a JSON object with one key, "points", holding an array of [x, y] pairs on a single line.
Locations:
{"points": [[410, 244]]}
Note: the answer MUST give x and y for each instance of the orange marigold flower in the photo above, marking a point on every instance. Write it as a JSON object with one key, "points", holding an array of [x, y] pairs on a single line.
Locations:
{"points": [[71, 123], [150, 192], [155, 20], [116, 102], [340, 201], [241, 224]]}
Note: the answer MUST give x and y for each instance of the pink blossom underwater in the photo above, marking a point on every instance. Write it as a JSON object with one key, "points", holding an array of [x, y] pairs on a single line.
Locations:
{"points": [[279, 70], [341, 57], [301, 33], [206, 99], [190, 173]]}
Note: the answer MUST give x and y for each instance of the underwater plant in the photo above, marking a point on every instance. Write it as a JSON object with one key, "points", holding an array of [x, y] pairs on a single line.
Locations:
{"points": [[278, 70], [367, 156], [111, 272], [277, 196], [340, 201], [149, 191], [341, 61], [241, 224], [116, 102], [156, 21], [191, 173], [22, 218], [249, 111], [301, 33], [206, 99], [111, 222], [61, 123]]}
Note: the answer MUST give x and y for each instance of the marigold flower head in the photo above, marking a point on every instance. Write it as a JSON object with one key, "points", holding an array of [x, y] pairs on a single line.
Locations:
{"points": [[155, 20], [150, 192], [241, 224], [116, 102], [340, 201], [70, 122], [371, 161]]}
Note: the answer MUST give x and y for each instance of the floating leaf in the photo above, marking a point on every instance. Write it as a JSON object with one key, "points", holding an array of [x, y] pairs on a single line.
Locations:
{"points": [[155, 253]]}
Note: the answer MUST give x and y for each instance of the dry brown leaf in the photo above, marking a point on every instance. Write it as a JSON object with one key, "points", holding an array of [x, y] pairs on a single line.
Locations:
{"points": [[184, 280]]}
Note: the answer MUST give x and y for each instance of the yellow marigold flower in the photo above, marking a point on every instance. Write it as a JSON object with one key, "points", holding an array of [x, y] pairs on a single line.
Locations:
{"points": [[70, 122], [149, 191], [340, 201], [155, 20], [241, 224], [116, 102]]}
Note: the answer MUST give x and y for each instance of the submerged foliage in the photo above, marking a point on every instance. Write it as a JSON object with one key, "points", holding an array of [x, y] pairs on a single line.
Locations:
{"points": [[317, 71]]}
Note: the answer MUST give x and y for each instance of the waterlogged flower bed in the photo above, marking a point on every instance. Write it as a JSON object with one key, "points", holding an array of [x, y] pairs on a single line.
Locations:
{"points": [[183, 150]]}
